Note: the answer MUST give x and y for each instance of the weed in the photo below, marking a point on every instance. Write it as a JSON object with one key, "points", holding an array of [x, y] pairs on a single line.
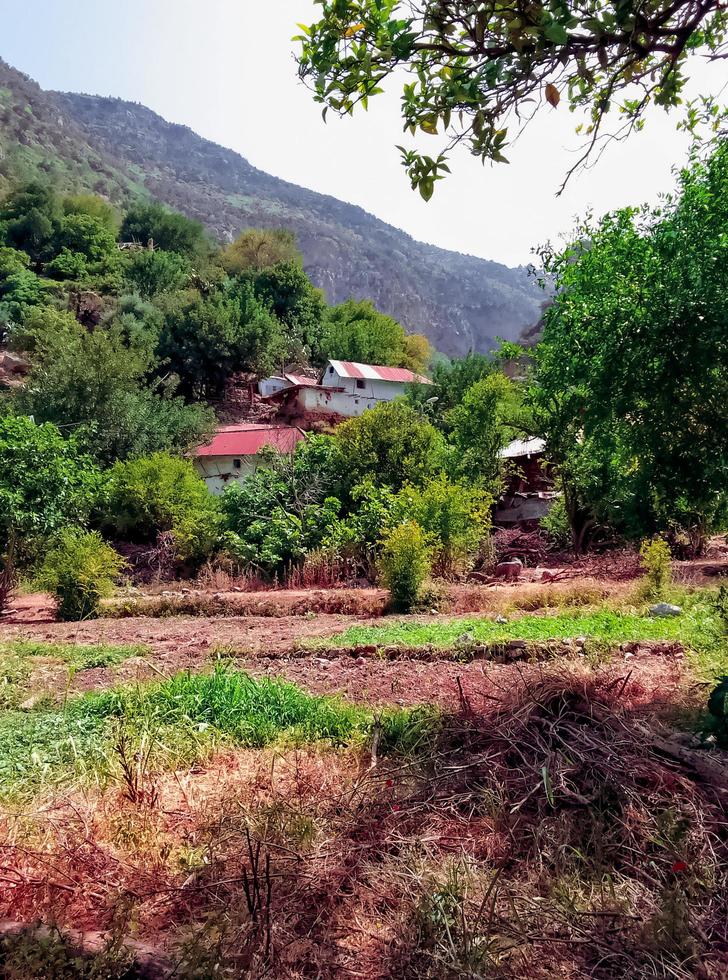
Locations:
{"points": [[657, 562], [176, 721]]}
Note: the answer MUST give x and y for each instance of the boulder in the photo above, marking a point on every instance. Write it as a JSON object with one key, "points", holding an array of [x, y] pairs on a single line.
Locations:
{"points": [[665, 609]]}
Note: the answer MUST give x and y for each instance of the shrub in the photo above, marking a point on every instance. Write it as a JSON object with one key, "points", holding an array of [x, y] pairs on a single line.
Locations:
{"points": [[80, 570], [556, 524], [656, 560], [158, 493], [405, 564], [455, 519]]}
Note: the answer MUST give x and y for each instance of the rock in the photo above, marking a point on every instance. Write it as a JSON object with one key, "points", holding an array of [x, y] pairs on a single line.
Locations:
{"points": [[31, 702], [516, 645], [500, 620], [580, 641], [465, 640], [665, 609]]}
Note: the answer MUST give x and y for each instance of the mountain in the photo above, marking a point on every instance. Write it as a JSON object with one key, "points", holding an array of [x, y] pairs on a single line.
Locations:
{"points": [[124, 151]]}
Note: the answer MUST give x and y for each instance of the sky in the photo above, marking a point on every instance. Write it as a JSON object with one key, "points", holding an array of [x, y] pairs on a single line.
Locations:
{"points": [[225, 68]]}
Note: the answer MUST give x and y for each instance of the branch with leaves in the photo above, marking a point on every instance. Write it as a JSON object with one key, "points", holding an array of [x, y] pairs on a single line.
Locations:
{"points": [[476, 71]]}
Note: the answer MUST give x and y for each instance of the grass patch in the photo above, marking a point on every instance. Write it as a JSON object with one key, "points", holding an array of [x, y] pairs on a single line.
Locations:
{"points": [[183, 718], [697, 628], [20, 658]]}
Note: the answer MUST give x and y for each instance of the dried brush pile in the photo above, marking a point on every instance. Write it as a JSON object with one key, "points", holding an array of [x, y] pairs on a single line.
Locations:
{"points": [[559, 834]]}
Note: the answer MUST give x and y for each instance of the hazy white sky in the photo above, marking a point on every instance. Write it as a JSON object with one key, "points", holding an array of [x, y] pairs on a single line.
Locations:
{"points": [[225, 68]]}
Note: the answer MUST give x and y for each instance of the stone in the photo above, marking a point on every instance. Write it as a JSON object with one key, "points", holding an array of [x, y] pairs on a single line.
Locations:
{"points": [[501, 620], [665, 609]]}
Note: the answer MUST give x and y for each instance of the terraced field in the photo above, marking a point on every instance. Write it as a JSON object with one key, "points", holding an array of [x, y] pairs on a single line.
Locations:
{"points": [[504, 794]]}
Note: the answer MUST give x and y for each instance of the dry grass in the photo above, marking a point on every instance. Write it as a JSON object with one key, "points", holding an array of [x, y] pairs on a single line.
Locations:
{"points": [[557, 833]]}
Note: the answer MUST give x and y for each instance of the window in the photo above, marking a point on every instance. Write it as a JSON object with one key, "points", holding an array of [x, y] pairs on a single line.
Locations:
{"points": [[331, 370], [360, 383], [237, 464]]}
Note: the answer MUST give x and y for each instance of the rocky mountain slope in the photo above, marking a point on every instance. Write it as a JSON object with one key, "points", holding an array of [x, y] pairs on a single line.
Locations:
{"points": [[124, 150]]}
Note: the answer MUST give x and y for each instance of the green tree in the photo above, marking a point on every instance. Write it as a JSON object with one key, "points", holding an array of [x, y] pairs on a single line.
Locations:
{"points": [[390, 445], [94, 207], [632, 377], [257, 249], [292, 298], [46, 482], [489, 415], [152, 272], [450, 381], [80, 570], [30, 217], [148, 496], [357, 331], [405, 564], [454, 516], [206, 339], [94, 385], [168, 230], [469, 72]]}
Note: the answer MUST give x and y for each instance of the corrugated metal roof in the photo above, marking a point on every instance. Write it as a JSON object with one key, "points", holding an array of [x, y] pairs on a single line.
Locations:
{"points": [[523, 447], [249, 439], [377, 372], [301, 379]]}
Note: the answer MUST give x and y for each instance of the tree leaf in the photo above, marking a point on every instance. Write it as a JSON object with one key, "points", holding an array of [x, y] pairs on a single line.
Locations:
{"points": [[354, 29], [552, 95]]}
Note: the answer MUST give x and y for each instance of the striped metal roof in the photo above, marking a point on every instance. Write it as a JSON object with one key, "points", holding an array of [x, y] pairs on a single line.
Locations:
{"points": [[523, 447], [378, 372]]}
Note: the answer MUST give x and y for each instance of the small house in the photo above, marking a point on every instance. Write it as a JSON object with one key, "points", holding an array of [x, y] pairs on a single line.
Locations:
{"points": [[345, 389], [235, 451], [529, 487]]}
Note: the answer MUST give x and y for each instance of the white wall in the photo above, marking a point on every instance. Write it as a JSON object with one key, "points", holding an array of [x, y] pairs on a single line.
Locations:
{"points": [[341, 402], [219, 472], [267, 386], [385, 391]]}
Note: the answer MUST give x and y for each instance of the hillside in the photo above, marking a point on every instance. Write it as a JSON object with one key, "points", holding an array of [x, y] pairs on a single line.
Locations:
{"points": [[124, 150]]}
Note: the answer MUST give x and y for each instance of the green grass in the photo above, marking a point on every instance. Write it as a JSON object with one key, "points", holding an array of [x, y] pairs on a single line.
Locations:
{"points": [[699, 629], [19, 658], [184, 717]]}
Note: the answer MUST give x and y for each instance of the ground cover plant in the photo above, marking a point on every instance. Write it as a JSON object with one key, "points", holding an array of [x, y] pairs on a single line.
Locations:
{"points": [[39, 669], [189, 715], [699, 628]]}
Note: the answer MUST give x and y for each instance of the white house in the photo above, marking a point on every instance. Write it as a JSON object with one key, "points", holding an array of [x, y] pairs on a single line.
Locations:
{"points": [[234, 452], [346, 389]]}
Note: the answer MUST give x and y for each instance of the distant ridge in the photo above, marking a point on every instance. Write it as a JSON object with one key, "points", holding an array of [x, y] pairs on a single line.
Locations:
{"points": [[124, 150]]}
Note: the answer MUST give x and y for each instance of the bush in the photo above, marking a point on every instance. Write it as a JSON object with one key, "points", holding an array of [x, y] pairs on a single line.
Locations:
{"points": [[656, 560], [158, 493], [405, 564], [455, 519], [556, 524], [80, 570]]}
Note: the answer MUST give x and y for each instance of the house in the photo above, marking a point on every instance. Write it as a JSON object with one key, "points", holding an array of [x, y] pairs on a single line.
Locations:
{"points": [[234, 452], [529, 487], [269, 386], [345, 389]]}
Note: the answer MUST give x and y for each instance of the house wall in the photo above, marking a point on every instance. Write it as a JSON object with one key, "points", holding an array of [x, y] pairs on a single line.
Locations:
{"points": [[374, 388], [219, 472], [346, 403], [267, 386]]}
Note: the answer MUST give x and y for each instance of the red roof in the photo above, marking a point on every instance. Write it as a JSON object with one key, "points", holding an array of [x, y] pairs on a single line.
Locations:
{"points": [[300, 379], [380, 372], [249, 439]]}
